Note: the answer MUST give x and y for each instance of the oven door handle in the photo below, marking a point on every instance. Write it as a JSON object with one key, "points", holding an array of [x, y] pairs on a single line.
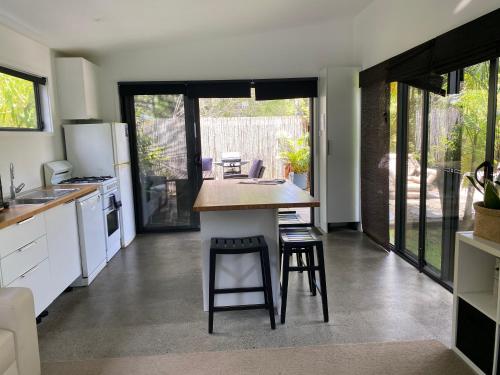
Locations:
{"points": [[116, 203]]}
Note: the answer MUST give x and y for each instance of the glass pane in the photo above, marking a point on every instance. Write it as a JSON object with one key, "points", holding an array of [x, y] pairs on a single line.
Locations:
{"points": [[17, 103], [393, 125], [442, 121], [472, 104], [414, 140], [166, 192], [457, 143]]}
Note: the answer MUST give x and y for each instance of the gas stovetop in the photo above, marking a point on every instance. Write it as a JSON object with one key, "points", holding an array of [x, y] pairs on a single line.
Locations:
{"points": [[86, 180]]}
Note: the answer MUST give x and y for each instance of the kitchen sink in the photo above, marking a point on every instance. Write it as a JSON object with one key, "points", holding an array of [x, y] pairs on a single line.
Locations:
{"points": [[41, 196], [32, 200], [46, 193]]}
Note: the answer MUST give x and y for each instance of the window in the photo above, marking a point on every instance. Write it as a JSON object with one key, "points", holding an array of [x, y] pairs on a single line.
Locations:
{"points": [[20, 105], [443, 139]]}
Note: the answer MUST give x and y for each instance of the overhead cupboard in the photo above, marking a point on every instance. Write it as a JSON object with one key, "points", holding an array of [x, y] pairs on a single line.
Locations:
{"points": [[77, 88], [42, 253]]}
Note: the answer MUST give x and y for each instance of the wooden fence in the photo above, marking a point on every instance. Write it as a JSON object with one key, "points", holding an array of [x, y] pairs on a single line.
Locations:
{"points": [[162, 142], [253, 137]]}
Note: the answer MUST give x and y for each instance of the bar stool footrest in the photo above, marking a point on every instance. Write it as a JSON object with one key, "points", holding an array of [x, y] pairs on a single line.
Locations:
{"points": [[240, 307], [239, 290]]}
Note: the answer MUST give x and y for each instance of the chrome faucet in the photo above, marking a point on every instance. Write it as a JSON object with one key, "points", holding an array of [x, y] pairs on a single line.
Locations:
{"points": [[13, 189]]}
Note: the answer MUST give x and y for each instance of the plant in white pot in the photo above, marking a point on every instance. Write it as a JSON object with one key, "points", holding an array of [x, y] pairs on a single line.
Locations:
{"points": [[487, 220], [296, 153]]}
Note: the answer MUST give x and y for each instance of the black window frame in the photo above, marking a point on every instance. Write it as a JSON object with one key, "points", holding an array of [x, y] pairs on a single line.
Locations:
{"points": [[37, 82], [444, 276]]}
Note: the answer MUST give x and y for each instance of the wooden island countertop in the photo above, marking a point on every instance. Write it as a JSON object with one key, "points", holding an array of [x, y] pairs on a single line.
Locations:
{"points": [[18, 213], [227, 195]]}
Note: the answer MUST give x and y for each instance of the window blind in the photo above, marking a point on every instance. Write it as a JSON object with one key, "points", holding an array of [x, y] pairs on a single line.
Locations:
{"points": [[286, 88], [375, 162], [219, 89], [469, 44]]}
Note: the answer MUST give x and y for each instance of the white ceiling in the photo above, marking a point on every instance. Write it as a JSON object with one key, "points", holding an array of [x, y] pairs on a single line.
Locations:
{"points": [[98, 25]]}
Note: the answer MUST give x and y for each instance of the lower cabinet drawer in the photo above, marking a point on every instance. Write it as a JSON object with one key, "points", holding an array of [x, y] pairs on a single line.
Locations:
{"points": [[18, 235], [38, 280], [23, 259]]}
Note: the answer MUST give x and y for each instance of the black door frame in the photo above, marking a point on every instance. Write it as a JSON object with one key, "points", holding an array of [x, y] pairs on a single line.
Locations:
{"points": [[193, 146], [127, 91], [450, 222]]}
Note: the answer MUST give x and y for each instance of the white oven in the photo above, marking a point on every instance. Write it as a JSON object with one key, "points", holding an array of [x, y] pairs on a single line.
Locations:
{"points": [[60, 172]]}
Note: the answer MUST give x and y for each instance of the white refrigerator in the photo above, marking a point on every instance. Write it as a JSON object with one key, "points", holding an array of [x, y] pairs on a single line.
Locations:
{"points": [[103, 150]]}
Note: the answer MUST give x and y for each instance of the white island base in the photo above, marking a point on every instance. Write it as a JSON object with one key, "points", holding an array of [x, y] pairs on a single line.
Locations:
{"points": [[236, 271]]}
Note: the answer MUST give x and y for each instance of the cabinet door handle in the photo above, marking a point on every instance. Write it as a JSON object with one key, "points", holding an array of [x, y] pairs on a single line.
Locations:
{"points": [[29, 271], [26, 246], [69, 202], [26, 220]]}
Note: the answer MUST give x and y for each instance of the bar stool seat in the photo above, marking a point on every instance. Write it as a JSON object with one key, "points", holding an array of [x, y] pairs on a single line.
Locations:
{"points": [[245, 245], [294, 240], [290, 219]]}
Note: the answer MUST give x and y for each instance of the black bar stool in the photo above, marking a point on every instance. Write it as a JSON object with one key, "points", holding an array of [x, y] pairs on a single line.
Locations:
{"points": [[288, 219], [303, 240], [246, 245]]}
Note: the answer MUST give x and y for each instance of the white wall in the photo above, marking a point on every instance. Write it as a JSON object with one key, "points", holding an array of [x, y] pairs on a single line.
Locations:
{"points": [[295, 52], [388, 27], [279, 54], [28, 151]]}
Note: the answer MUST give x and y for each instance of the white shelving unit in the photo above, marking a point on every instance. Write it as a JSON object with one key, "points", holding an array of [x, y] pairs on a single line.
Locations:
{"points": [[485, 302], [474, 284]]}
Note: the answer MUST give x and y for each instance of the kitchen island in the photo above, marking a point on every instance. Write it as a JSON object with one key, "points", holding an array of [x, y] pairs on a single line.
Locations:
{"points": [[237, 208]]}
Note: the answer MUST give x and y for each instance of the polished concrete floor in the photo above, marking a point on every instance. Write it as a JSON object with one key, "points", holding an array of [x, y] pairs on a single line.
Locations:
{"points": [[148, 300]]}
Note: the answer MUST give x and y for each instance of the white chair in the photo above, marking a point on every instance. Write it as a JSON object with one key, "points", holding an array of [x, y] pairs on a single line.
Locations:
{"points": [[19, 353]]}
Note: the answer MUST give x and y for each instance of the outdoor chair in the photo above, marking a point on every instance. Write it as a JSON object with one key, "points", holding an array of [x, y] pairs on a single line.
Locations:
{"points": [[256, 171], [207, 168]]}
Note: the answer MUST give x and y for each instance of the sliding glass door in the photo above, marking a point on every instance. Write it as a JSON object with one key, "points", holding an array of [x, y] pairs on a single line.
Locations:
{"points": [[441, 140], [166, 173]]}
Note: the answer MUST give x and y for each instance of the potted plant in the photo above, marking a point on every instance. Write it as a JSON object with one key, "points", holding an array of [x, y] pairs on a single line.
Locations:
{"points": [[296, 153], [487, 221]]}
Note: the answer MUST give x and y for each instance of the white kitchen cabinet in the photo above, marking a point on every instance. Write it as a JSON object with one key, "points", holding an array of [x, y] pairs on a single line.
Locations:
{"points": [[38, 280], [77, 88], [21, 234], [63, 245], [42, 253], [24, 259]]}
